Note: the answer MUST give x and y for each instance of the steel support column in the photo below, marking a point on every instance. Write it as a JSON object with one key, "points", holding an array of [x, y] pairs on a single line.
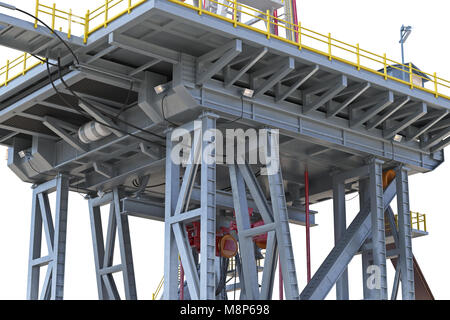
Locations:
{"points": [[104, 249], [340, 226], [55, 235], [406, 264], [201, 281], [377, 208]]}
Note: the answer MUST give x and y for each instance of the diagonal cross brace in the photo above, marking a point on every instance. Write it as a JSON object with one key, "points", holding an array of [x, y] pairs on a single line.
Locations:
{"points": [[336, 87], [341, 255], [211, 63]]}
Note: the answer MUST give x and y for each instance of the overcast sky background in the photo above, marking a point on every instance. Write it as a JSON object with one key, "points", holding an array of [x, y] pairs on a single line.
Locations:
{"points": [[376, 26]]}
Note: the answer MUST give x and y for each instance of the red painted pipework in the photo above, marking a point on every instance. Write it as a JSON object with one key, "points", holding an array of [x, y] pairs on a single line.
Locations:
{"points": [[181, 282], [275, 26], [308, 240], [295, 18]]}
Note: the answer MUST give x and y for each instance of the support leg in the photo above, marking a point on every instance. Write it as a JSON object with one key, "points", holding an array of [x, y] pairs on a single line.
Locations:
{"points": [[104, 250], [55, 235], [406, 264], [340, 226], [378, 270]]}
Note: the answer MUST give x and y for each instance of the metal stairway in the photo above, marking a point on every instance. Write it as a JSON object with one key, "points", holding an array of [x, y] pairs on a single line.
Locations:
{"points": [[341, 255]]}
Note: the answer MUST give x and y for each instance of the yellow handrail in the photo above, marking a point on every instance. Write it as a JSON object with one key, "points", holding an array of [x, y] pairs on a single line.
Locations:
{"points": [[418, 221], [297, 35], [158, 289]]}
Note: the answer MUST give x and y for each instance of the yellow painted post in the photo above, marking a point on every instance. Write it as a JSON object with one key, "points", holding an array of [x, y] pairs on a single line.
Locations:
{"points": [[200, 7], [53, 16], [129, 6], [235, 14], [425, 222], [300, 36], [329, 47], [436, 93], [36, 14], [268, 23], [385, 67], [411, 76], [106, 13], [358, 56], [7, 73], [86, 26], [418, 221], [69, 34], [24, 63]]}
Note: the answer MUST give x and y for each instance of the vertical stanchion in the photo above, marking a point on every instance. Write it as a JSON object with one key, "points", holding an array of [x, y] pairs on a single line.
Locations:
{"points": [[69, 34], [105, 24], [53, 16], [86, 26], [436, 94], [329, 47], [7, 72], [36, 14], [268, 23], [358, 56], [299, 40], [411, 76], [24, 63], [385, 66]]}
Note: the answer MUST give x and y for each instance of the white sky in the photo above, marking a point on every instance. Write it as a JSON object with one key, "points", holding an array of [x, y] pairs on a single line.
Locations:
{"points": [[375, 25]]}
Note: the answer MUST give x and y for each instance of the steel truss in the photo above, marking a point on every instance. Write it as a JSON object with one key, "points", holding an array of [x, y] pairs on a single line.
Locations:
{"points": [[104, 250], [367, 235], [55, 235]]}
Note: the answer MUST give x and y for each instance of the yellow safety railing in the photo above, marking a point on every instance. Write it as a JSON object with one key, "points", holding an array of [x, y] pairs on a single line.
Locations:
{"points": [[17, 67], [325, 45], [418, 221], [158, 289], [263, 22]]}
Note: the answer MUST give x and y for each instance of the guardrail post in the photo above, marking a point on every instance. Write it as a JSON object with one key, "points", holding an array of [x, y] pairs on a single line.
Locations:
{"points": [[385, 67], [129, 6], [268, 23], [300, 36], [436, 94], [329, 47], [69, 34], [36, 14], [411, 76], [235, 13], [200, 7], [6, 73], [86, 26], [106, 13], [53, 16], [425, 222], [24, 63], [358, 56]]}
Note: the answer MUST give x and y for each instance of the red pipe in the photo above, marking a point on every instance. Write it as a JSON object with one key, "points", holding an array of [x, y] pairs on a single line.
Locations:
{"points": [[275, 26], [295, 18], [280, 276], [181, 282], [308, 240]]}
